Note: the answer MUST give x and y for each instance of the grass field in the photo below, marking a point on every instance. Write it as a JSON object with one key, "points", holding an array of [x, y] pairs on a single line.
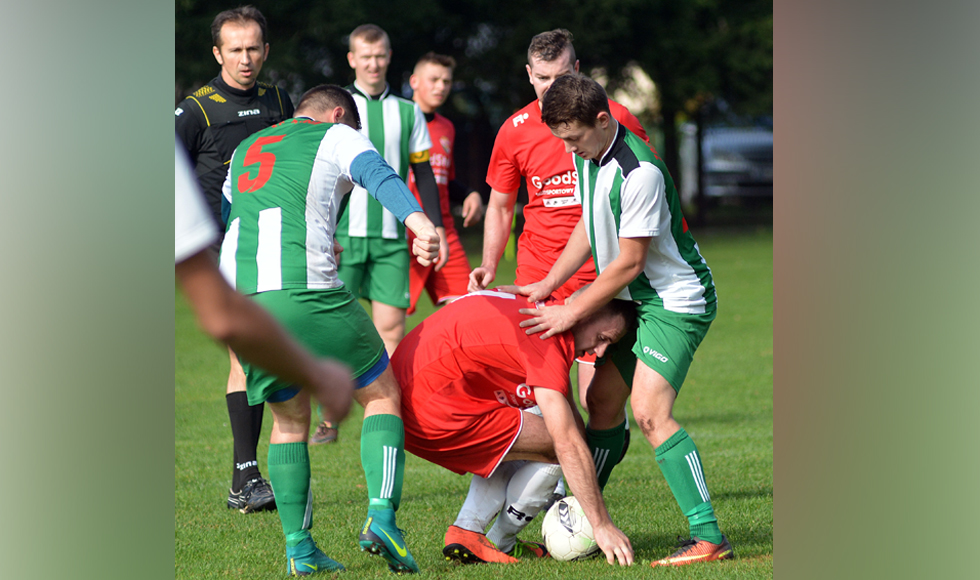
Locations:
{"points": [[725, 404]]}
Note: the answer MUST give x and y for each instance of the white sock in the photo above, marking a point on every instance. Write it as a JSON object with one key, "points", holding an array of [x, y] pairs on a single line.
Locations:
{"points": [[486, 498], [528, 491], [560, 488]]}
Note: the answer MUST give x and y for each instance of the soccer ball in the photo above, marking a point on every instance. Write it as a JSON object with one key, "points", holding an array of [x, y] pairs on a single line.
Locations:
{"points": [[567, 533]]}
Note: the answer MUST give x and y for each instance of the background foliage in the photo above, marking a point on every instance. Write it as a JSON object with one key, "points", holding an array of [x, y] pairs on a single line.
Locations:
{"points": [[695, 51]]}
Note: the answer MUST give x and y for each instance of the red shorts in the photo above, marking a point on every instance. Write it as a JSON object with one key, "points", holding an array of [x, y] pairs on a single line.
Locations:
{"points": [[459, 432], [449, 282]]}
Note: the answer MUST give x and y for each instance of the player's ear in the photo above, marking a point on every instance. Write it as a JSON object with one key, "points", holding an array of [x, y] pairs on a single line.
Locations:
{"points": [[350, 59], [602, 119], [576, 65], [266, 56], [530, 79], [217, 55], [413, 81]]}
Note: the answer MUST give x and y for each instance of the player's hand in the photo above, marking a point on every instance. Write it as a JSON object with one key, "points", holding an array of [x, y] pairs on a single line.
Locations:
{"points": [[337, 250], [614, 544], [333, 388], [425, 246], [550, 320], [472, 209], [480, 278], [443, 248], [534, 292]]}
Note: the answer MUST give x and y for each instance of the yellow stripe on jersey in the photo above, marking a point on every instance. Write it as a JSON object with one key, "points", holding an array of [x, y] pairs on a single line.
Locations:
{"points": [[202, 109], [418, 157]]}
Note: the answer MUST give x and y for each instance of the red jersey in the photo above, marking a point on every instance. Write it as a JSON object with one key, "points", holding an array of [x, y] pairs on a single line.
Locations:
{"points": [[476, 347], [525, 147], [465, 374], [443, 135]]}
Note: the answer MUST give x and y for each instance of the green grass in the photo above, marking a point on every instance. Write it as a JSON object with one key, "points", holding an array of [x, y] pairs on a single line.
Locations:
{"points": [[725, 404]]}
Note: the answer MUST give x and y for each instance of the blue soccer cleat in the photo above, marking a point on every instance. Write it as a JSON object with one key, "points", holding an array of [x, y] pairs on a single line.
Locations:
{"points": [[305, 559], [380, 536]]}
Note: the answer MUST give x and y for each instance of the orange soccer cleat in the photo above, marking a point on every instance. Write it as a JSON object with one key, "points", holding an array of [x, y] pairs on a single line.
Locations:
{"points": [[697, 550], [472, 548]]}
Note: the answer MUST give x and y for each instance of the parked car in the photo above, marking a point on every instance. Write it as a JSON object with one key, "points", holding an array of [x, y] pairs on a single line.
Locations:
{"points": [[737, 161]]}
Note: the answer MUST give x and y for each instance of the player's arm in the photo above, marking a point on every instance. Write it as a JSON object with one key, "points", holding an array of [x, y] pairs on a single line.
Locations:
{"points": [[190, 127], [579, 469], [496, 231], [371, 172], [425, 179], [252, 333], [552, 320], [470, 199]]}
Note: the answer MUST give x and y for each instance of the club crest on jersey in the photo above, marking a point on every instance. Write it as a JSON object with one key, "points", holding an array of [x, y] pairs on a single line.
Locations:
{"points": [[520, 119], [447, 146]]}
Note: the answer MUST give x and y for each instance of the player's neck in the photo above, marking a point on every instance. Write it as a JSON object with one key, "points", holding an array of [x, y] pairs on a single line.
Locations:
{"points": [[425, 108], [609, 137], [370, 90], [231, 84]]}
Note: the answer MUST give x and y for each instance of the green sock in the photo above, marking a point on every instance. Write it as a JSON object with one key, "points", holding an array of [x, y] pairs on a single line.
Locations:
{"points": [[383, 458], [606, 447], [681, 465], [289, 473]]}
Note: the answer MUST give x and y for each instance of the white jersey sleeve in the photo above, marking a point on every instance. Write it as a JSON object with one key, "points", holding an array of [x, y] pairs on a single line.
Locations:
{"points": [[194, 229], [643, 198], [341, 145], [420, 140]]}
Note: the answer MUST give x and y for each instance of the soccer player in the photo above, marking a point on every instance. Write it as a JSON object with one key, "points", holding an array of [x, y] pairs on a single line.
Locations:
{"points": [[230, 317], [524, 147], [431, 83], [211, 123], [468, 375], [375, 264], [286, 185], [375, 261], [633, 229]]}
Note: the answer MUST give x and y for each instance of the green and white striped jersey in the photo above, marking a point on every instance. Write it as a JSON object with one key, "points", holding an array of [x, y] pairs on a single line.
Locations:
{"points": [[398, 131], [630, 194], [286, 183]]}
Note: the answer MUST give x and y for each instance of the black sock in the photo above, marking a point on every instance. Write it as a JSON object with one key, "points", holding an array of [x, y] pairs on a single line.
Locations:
{"points": [[246, 426]]}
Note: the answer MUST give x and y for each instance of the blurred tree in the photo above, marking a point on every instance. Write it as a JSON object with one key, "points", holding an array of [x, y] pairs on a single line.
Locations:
{"points": [[695, 51]]}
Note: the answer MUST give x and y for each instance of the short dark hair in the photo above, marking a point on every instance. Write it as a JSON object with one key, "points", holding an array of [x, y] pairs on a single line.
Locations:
{"points": [[625, 309], [548, 46], [242, 16], [574, 97], [325, 97], [439, 59], [370, 33]]}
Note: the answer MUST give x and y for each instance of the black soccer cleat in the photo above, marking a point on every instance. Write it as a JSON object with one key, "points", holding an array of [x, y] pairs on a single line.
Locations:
{"points": [[256, 495]]}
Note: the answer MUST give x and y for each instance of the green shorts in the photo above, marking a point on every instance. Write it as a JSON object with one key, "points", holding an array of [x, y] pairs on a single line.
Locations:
{"points": [[376, 269], [327, 322], [664, 341]]}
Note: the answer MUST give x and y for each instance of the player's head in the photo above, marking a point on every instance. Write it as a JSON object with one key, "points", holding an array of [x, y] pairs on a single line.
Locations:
{"points": [[576, 109], [606, 326], [240, 46], [432, 80], [369, 55], [329, 104], [550, 56]]}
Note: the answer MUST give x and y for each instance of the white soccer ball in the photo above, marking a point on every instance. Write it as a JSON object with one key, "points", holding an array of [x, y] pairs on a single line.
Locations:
{"points": [[567, 532]]}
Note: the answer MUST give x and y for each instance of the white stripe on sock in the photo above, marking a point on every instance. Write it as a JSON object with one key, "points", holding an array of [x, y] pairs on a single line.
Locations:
{"points": [[308, 516], [599, 457], [695, 465]]}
